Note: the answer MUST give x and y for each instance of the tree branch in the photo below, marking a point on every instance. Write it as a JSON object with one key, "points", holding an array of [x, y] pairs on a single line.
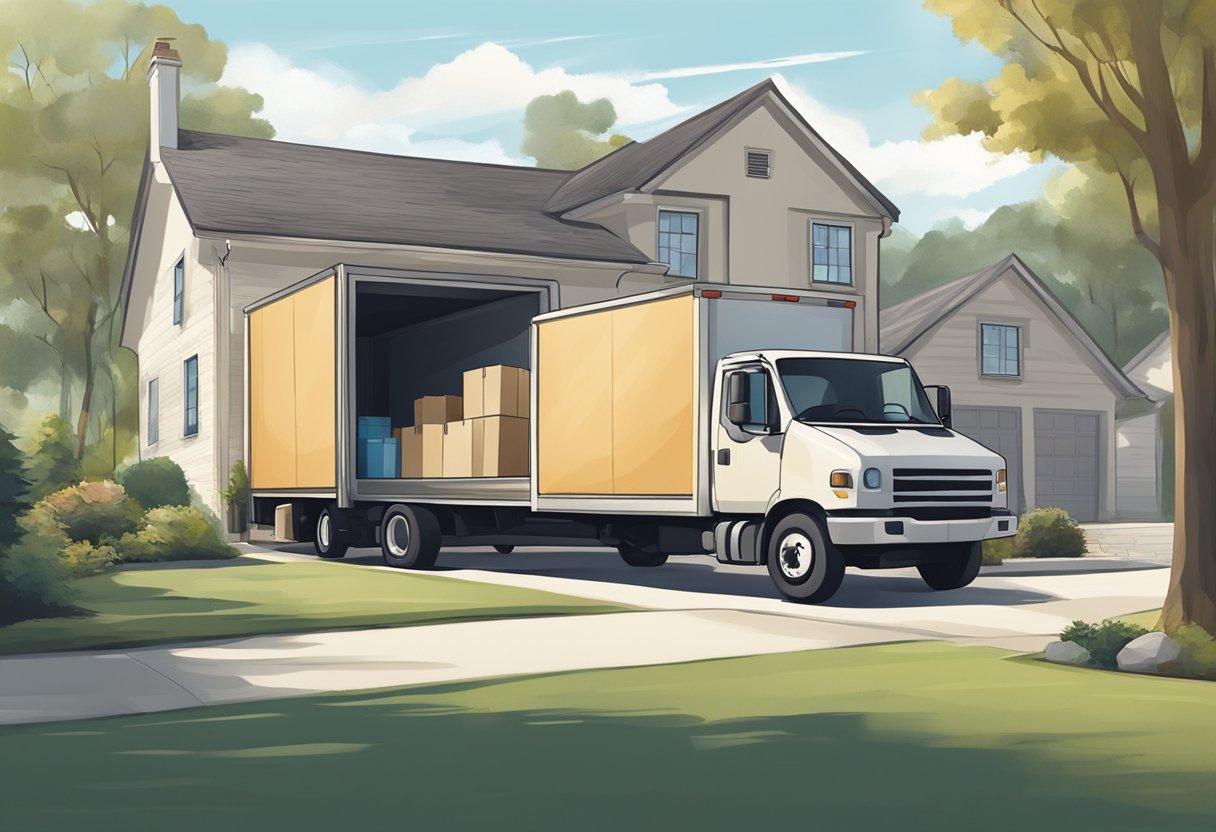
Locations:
{"points": [[1142, 236]]}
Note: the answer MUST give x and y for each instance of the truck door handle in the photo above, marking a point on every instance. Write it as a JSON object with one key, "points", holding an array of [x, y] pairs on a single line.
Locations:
{"points": [[724, 456]]}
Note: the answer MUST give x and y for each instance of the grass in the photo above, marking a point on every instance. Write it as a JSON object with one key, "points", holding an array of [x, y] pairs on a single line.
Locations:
{"points": [[249, 597], [908, 736]]}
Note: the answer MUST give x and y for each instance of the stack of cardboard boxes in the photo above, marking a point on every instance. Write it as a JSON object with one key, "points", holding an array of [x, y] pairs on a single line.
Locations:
{"points": [[378, 455], [482, 434]]}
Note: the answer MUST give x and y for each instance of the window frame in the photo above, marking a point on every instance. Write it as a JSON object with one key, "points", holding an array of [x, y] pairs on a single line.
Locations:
{"points": [[693, 212], [1018, 327], [192, 361], [179, 290], [852, 249], [153, 412]]}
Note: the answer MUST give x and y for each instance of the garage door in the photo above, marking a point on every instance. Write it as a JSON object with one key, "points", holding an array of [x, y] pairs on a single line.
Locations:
{"points": [[1000, 429], [1066, 461]]}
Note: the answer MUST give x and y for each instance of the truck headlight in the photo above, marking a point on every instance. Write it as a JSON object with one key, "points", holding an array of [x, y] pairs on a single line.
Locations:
{"points": [[872, 478], [1000, 480]]}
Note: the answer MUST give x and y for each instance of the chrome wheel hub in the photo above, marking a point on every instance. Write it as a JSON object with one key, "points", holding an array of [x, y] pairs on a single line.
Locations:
{"points": [[796, 556]]}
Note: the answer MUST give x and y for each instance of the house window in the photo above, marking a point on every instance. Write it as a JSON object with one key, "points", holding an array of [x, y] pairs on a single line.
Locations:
{"points": [[153, 412], [831, 254], [190, 387], [759, 163], [179, 289], [1000, 350], [678, 242]]}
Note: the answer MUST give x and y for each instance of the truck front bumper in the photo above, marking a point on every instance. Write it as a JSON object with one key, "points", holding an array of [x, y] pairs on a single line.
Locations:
{"points": [[894, 529]]}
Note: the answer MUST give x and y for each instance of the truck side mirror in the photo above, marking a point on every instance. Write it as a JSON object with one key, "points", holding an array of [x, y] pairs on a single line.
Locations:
{"points": [[738, 407], [943, 402]]}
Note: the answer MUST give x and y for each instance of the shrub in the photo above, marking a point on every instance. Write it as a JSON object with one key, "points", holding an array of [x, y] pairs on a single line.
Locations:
{"points": [[52, 465], [996, 550], [94, 511], [1103, 641], [1197, 659], [1048, 533], [173, 533], [83, 558], [34, 580], [156, 482]]}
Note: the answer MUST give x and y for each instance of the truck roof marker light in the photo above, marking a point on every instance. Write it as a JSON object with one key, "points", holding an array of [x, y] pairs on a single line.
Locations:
{"points": [[850, 304], [786, 298], [711, 293]]}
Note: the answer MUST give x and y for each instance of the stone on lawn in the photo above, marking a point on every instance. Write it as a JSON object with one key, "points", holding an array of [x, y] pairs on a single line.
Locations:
{"points": [[1147, 653], [1067, 652]]}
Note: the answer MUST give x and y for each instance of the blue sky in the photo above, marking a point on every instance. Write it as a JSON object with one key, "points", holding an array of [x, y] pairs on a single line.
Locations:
{"points": [[451, 78]]}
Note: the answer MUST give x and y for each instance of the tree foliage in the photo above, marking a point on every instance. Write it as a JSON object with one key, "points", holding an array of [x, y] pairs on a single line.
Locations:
{"points": [[562, 132], [53, 464], [14, 489]]}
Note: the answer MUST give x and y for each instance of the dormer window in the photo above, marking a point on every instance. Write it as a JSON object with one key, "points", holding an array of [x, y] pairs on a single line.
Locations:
{"points": [[759, 163]]}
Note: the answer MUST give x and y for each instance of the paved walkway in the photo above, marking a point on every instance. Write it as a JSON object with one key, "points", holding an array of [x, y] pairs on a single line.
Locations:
{"points": [[693, 609], [1140, 541]]}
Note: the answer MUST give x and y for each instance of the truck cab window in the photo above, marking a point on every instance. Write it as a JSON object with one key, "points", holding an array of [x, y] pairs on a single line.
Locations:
{"points": [[757, 394]]}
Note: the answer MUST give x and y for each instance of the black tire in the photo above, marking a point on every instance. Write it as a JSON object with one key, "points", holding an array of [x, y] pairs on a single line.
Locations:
{"points": [[504, 548], [409, 537], [636, 557], [329, 540], [802, 561], [958, 571]]}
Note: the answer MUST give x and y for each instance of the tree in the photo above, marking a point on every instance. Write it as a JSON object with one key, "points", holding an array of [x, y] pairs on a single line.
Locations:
{"points": [[1129, 87], [14, 489], [561, 132], [74, 116], [53, 464]]}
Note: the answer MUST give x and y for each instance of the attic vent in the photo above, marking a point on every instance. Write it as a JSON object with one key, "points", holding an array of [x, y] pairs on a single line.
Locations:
{"points": [[758, 162]]}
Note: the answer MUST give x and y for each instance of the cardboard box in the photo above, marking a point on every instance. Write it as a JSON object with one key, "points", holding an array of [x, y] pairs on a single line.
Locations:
{"points": [[458, 449], [500, 446], [495, 391], [438, 410], [379, 459], [373, 427], [422, 451]]}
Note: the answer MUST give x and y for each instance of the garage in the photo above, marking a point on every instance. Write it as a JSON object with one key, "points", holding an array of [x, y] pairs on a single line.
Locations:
{"points": [[1000, 430], [1066, 461]]}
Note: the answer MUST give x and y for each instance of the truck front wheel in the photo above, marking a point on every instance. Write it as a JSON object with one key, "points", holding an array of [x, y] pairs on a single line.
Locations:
{"points": [[802, 561], [956, 573], [329, 541], [409, 537]]}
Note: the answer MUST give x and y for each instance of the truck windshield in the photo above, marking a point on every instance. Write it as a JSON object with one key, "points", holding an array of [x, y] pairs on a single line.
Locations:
{"points": [[834, 390]]}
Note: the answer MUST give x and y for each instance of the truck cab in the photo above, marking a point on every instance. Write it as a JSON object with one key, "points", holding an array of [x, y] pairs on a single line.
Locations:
{"points": [[826, 459]]}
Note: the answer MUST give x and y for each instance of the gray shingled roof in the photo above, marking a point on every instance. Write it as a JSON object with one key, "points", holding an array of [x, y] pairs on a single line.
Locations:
{"points": [[637, 163], [237, 185], [907, 322]]}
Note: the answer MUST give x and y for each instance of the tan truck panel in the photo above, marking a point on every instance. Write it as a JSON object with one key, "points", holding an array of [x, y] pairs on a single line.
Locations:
{"points": [[292, 386], [615, 411]]}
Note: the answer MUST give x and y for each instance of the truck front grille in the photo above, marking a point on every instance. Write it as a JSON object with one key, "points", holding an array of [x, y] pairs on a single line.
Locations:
{"points": [[942, 485]]}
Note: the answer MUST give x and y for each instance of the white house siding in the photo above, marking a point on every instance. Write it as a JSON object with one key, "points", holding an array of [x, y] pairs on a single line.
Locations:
{"points": [[1137, 453], [163, 346], [1057, 373]]}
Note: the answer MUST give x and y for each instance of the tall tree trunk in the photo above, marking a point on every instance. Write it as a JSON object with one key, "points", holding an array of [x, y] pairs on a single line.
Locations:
{"points": [[65, 387], [1191, 281], [90, 378]]}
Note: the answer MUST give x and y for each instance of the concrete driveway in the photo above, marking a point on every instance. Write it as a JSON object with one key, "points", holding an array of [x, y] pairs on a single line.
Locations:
{"points": [[691, 609]]}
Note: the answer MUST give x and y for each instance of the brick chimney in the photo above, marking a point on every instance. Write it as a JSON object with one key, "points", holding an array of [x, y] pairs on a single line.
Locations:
{"points": [[164, 84]]}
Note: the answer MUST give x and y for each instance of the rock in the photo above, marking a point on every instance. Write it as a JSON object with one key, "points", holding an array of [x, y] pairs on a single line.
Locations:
{"points": [[1067, 652], [1147, 653]]}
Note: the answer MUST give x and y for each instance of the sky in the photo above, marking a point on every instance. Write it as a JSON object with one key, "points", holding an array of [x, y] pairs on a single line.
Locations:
{"points": [[451, 79]]}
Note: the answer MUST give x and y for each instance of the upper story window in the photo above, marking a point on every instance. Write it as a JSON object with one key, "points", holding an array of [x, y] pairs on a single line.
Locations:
{"points": [[190, 403], [179, 289], [678, 242], [759, 163], [831, 254], [1000, 350], [153, 412]]}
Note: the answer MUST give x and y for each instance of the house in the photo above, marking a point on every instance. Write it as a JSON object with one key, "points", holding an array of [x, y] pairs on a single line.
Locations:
{"points": [[1027, 381], [1145, 461], [744, 192]]}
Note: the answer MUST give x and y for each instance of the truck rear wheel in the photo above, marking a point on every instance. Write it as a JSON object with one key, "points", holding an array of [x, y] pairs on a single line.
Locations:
{"points": [[802, 561], [636, 557], [409, 537], [329, 541], [956, 573], [504, 548]]}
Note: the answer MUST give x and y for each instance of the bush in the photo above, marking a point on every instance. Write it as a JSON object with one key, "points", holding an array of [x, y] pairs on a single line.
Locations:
{"points": [[1103, 641], [53, 463], [996, 550], [1197, 659], [1048, 533], [83, 558], [34, 580], [156, 482], [98, 512], [173, 533]]}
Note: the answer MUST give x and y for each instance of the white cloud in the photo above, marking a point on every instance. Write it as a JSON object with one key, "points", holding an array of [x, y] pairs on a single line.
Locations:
{"points": [[954, 166], [769, 63], [80, 222]]}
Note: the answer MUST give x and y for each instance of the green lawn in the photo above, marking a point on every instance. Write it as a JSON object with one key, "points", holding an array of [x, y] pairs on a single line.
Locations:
{"points": [[248, 597], [907, 737]]}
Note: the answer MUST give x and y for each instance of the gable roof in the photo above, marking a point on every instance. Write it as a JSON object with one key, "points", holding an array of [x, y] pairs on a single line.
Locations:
{"points": [[1148, 369], [239, 185], [632, 166], [906, 323]]}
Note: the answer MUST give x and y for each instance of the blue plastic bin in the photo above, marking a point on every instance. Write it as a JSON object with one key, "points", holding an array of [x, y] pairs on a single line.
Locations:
{"points": [[374, 427], [379, 459]]}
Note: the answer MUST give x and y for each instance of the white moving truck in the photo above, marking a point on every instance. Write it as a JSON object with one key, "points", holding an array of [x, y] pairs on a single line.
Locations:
{"points": [[700, 419]]}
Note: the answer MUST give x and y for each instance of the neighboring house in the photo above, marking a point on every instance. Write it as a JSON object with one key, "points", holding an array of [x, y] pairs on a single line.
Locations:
{"points": [[745, 192], [1141, 436], [1027, 381]]}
